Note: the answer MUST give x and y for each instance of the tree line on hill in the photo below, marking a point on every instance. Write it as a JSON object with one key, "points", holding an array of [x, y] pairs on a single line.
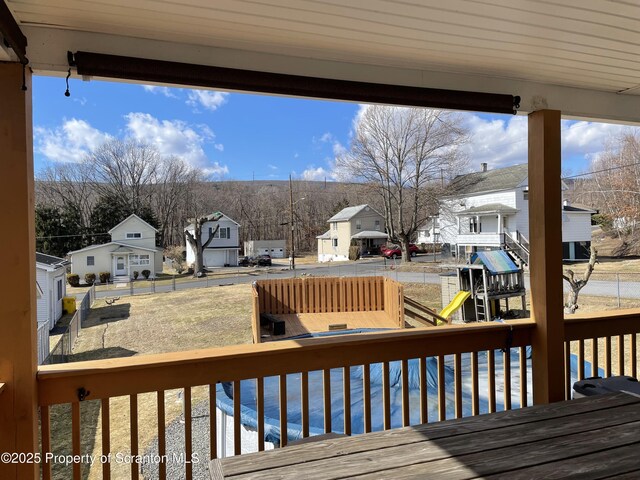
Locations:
{"points": [[397, 162], [78, 203]]}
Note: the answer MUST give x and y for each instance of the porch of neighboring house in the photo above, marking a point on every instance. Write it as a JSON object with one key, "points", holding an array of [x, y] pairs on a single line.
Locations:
{"points": [[105, 391], [488, 227]]}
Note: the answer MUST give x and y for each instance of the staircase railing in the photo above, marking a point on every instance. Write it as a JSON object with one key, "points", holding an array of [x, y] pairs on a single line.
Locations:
{"points": [[518, 246]]}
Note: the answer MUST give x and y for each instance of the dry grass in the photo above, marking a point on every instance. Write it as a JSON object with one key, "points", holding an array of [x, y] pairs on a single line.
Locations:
{"points": [[184, 320], [145, 324]]}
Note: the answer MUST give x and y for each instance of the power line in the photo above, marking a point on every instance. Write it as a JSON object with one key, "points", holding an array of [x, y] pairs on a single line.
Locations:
{"points": [[601, 171]]}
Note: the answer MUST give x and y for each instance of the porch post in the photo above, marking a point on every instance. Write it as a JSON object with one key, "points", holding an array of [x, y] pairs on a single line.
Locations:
{"points": [[545, 227], [499, 223], [18, 350]]}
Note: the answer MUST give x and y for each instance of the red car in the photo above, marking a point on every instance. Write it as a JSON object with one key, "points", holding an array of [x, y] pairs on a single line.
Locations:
{"points": [[394, 251]]}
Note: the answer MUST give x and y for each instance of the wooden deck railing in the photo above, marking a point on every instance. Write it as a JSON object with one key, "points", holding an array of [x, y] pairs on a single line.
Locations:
{"points": [[598, 339], [76, 383]]}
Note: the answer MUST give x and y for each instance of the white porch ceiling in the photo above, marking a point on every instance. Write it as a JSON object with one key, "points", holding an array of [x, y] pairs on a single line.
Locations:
{"points": [[580, 56]]}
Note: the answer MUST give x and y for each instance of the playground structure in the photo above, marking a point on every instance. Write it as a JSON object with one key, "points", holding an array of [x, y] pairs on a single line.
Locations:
{"points": [[476, 291], [291, 307]]}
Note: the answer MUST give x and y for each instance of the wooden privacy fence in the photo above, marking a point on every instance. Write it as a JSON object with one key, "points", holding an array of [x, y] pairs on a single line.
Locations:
{"points": [[327, 295]]}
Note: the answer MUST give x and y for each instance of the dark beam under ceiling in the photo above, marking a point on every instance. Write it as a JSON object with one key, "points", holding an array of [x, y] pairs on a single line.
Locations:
{"points": [[159, 71], [10, 31]]}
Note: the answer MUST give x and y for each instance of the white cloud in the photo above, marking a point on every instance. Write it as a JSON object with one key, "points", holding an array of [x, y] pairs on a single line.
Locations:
{"points": [[166, 91], [219, 147], [501, 142], [498, 142], [210, 100], [339, 149], [326, 137], [272, 167], [319, 173], [587, 139], [174, 137], [69, 142]]}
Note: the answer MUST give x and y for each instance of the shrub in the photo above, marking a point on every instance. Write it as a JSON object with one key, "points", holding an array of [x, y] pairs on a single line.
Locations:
{"points": [[146, 273], [105, 277], [136, 274], [89, 278], [73, 279], [354, 252], [179, 266]]}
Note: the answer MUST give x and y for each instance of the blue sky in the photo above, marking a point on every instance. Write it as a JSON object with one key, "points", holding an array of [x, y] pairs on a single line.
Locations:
{"points": [[241, 136]]}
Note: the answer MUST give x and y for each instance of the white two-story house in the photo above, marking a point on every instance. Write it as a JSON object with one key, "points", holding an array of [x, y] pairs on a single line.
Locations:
{"points": [[132, 249], [361, 225], [223, 249], [489, 209]]}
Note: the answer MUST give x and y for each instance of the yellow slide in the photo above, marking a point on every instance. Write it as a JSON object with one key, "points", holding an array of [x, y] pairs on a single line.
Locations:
{"points": [[455, 304]]}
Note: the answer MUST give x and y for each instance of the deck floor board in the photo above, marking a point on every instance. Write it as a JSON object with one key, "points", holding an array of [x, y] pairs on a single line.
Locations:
{"points": [[545, 441]]}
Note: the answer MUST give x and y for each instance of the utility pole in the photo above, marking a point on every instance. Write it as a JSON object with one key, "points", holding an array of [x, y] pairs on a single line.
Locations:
{"points": [[293, 245]]}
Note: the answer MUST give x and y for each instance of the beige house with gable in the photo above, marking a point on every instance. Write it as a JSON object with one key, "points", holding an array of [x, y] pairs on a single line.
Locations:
{"points": [[132, 248], [360, 224]]}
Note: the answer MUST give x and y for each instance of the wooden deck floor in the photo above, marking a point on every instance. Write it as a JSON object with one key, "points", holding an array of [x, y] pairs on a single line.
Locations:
{"points": [[301, 323], [592, 437]]}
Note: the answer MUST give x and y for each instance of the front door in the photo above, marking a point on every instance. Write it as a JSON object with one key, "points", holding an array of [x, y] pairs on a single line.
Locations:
{"points": [[121, 265]]}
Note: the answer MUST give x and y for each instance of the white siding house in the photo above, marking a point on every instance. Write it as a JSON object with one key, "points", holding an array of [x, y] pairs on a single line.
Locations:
{"points": [[223, 249], [51, 287], [50, 278], [132, 248], [490, 209]]}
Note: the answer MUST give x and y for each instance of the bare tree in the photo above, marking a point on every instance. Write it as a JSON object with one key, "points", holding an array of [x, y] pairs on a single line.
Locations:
{"points": [[195, 238], [172, 180], [71, 185], [402, 153], [616, 182], [126, 170], [578, 284]]}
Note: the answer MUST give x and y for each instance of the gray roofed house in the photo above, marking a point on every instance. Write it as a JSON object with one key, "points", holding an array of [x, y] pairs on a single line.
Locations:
{"points": [[361, 225], [489, 209], [490, 180]]}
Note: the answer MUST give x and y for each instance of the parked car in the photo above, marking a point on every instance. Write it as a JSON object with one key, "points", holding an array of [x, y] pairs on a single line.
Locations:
{"points": [[263, 260], [259, 260], [394, 251]]}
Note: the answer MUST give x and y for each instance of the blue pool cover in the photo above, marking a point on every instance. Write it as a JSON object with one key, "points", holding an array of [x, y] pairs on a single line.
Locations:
{"points": [[224, 398]]}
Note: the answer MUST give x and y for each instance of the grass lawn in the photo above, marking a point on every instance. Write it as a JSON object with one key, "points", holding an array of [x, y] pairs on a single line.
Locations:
{"points": [[145, 324]]}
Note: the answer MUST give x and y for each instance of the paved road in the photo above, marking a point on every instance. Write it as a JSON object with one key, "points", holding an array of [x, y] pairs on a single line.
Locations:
{"points": [[367, 267]]}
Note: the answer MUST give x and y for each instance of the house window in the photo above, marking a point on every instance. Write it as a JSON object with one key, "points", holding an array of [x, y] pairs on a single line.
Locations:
{"points": [[525, 194], [474, 225], [91, 261], [377, 225], [335, 242], [334, 225], [358, 224], [139, 259], [223, 232], [59, 285], [134, 235]]}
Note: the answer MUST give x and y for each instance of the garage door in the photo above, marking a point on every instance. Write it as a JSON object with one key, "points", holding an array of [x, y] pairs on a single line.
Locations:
{"points": [[215, 258]]}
